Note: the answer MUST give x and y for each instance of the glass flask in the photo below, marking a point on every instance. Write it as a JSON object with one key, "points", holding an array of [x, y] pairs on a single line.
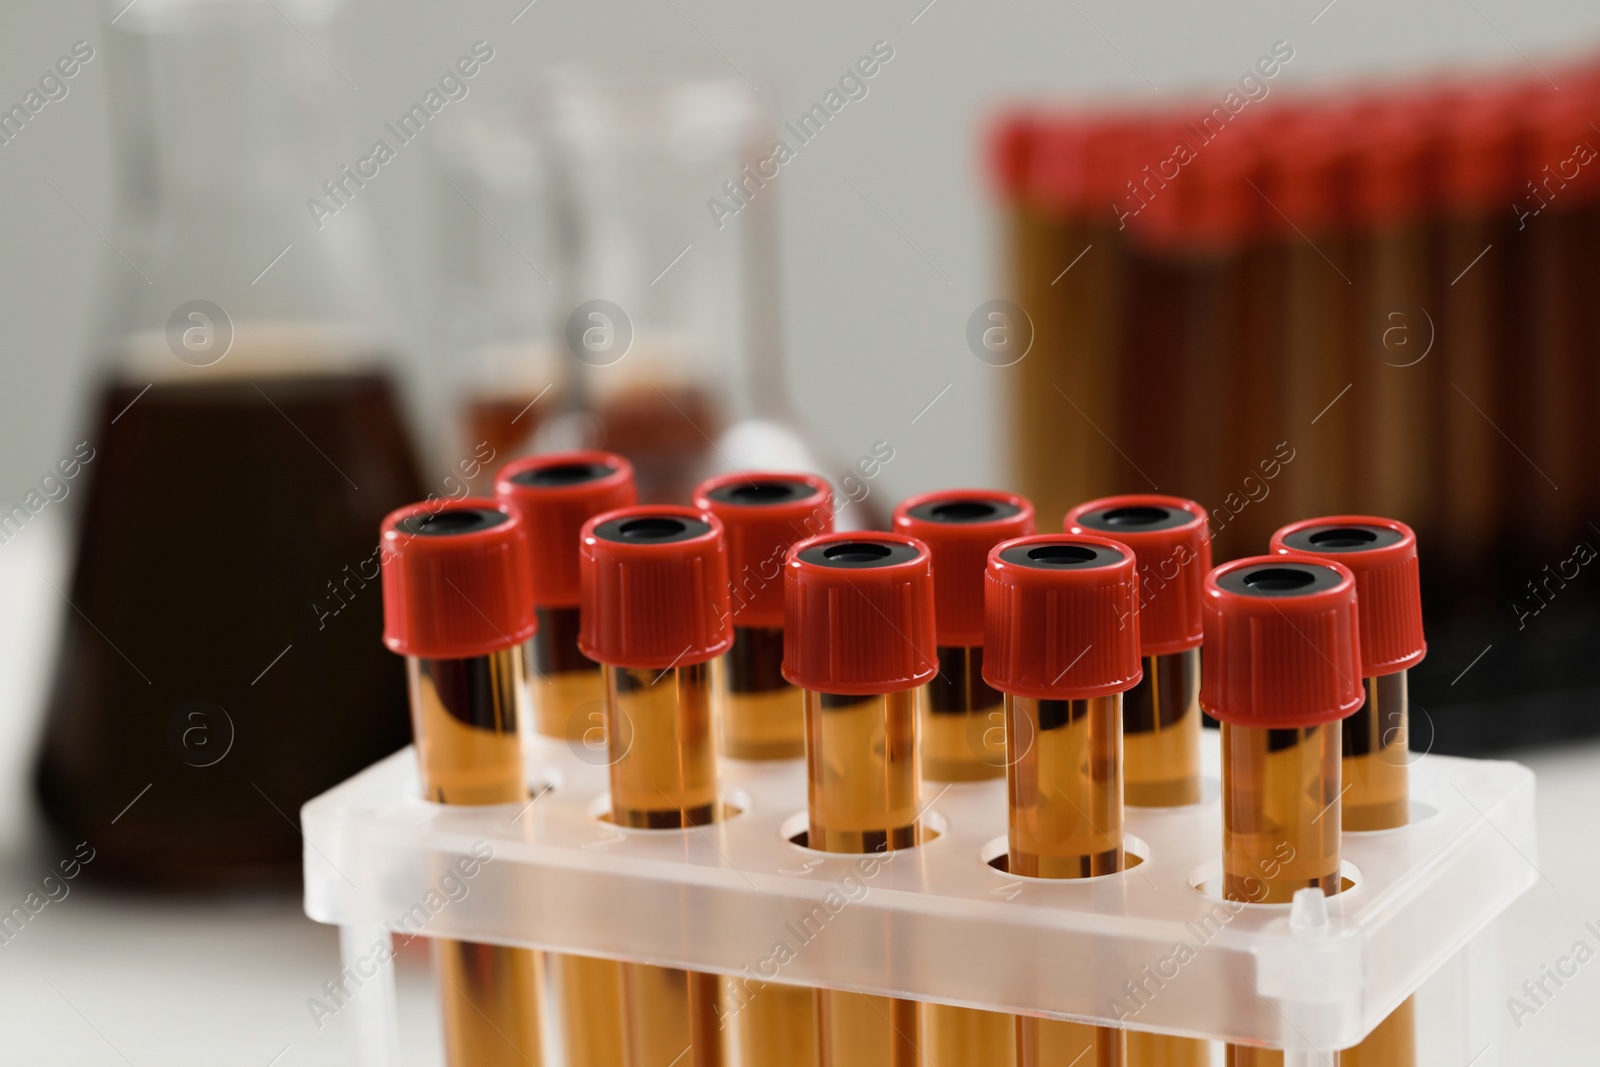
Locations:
{"points": [[498, 259], [220, 664], [667, 306]]}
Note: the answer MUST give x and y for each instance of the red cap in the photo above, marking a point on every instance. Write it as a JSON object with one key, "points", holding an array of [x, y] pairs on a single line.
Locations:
{"points": [[1061, 617], [1010, 147], [959, 527], [655, 588], [1388, 179], [1163, 146], [1281, 646], [1172, 544], [1562, 154], [1299, 173], [556, 495], [858, 614], [1382, 553], [763, 514], [455, 579], [1070, 164], [1480, 171], [1217, 209]]}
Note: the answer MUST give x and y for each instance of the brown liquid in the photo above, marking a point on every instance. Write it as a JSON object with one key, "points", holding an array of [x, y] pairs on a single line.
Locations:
{"points": [[214, 522], [861, 797], [506, 423], [1280, 828], [1064, 791], [667, 431]]}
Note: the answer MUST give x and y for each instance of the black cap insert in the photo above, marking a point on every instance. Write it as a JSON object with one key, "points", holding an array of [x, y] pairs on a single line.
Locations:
{"points": [[558, 475], [1288, 579], [452, 522], [651, 529], [1356, 537], [1135, 518], [859, 555], [962, 510], [762, 492], [1062, 555]]}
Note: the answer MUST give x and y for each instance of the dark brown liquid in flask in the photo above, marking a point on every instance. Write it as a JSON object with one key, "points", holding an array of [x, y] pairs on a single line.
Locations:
{"points": [[220, 664]]}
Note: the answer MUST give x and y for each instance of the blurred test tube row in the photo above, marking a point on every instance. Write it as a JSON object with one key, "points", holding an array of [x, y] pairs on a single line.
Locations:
{"points": [[1381, 301]]}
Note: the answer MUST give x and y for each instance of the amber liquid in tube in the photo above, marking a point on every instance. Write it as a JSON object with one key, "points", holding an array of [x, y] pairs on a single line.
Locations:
{"points": [[1314, 371], [464, 713], [963, 722], [1398, 430], [1467, 468], [1377, 797], [861, 789], [764, 718], [1161, 769], [963, 740], [765, 715], [568, 703], [1077, 320], [660, 730], [1161, 733], [1280, 825], [1065, 795]]}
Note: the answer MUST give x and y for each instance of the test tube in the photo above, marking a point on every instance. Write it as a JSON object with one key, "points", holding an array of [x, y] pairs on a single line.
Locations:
{"points": [[1280, 669], [1061, 641], [963, 724], [456, 604], [858, 638], [763, 715], [1467, 462], [762, 515], [963, 720], [1160, 715], [1382, 553], [555, 495], [654, 616], [1395, 390], [1068, 276]]}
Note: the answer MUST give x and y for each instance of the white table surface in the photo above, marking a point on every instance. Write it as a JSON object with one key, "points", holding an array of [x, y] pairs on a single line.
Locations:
{"points": [[109, 978]]}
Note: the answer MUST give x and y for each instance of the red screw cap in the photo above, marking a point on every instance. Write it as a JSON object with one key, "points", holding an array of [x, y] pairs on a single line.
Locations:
{"points": [[455, 579], [858, 614], [960, 526], [555, 495], [1172, 543], [1061, 617], [1382, 553], [1281, 642], [763, 514], [655, 588]]}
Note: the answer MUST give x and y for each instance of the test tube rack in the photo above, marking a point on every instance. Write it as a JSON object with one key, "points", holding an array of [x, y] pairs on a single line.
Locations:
{"points": [[939, 922]]}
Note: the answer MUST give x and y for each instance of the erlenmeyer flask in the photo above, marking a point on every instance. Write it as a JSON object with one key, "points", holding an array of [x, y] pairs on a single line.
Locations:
{"points": [[496, 261], [669, 308], [220, 664]]}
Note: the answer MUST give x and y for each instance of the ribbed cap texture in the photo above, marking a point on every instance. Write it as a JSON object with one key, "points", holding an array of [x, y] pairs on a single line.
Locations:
{"points": [[1061, 633], [1282, 661], [758, 537], [960, 552], [862, 631], [654, 605], [554, 516], [1388, 591], [454, 596], [1172, 565]]}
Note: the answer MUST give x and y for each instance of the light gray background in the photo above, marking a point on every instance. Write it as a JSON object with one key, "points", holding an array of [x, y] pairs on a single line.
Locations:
{"points": [[873, 333]]}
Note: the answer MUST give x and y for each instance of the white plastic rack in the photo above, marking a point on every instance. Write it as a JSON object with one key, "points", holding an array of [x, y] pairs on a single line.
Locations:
{"points": [[937, 922]]}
